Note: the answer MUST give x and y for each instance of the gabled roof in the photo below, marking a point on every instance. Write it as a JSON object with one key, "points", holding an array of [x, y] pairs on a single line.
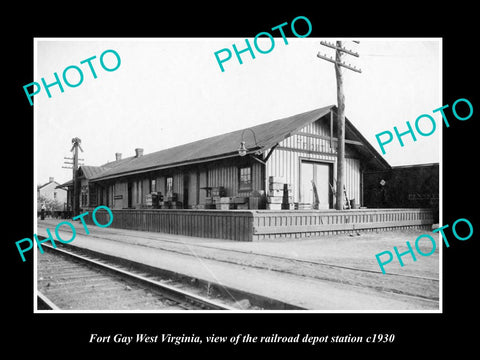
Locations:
{"points": [[47, 183], [90, 171], [65, 185], [226, 145]]}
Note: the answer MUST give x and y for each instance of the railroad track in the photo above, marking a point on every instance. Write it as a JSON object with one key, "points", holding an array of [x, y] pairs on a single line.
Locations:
{"points": [[411, 286], [422, 287], [70, 281]]}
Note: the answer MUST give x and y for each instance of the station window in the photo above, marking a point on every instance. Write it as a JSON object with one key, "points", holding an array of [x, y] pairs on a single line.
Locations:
{"points": [[245, 182], [84, 195], [169, 185], [84, 199], [153, 185]]}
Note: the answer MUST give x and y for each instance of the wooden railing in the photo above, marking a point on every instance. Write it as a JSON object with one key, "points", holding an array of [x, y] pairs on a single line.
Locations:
{"points": [[251, 225], [306, 223]]}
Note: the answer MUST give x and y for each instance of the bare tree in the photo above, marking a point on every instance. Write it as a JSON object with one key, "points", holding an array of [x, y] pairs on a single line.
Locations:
{"points": [[50, 204]]}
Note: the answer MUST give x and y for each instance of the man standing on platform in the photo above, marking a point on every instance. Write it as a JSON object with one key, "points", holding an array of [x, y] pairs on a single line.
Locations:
{"points": [[42, 212]]}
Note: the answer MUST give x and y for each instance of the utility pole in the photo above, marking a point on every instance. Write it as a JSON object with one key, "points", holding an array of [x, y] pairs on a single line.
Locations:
{"points": [[339, 63], [76, 145]]}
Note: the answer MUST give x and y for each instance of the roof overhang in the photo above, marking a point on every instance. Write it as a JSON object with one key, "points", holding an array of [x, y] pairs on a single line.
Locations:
{"points": [[172, 165]]}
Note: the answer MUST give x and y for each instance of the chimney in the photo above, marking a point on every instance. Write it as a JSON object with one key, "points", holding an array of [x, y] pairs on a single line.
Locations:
{"points": [[50, 179], [118, 156], [138, 152]]}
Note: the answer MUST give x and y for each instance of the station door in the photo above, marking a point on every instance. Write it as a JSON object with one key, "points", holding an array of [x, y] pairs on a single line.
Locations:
{"points": [[321, 174]]}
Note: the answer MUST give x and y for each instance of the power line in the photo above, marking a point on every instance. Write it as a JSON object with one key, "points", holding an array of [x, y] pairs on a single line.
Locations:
{"points": [[339, 48]]}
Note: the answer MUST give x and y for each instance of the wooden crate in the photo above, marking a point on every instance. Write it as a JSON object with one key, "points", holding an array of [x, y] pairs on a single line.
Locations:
{"points": [[279, 186], [303, 206], [276, 179], [274, 199], [276, 192], [176, 205], [279, 192], [274, 206], [279, 199], [275, 186], [172, 197], [148, 199], [224, 206], [219, 191]]}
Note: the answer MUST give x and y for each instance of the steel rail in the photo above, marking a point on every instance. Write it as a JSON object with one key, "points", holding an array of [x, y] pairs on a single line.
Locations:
{"points": [[170, 292]]}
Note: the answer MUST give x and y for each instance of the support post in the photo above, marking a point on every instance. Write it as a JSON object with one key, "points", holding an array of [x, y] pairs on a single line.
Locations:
{"points": [[340, 130], [339, 49], [75, 200], [75, 179]]}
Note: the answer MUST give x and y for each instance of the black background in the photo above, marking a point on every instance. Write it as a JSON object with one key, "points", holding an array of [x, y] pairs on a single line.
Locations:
{"points": [[67, 335]]}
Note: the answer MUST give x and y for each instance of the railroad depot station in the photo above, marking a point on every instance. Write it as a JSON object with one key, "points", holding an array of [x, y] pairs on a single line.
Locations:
{"points": [[272, 180]]}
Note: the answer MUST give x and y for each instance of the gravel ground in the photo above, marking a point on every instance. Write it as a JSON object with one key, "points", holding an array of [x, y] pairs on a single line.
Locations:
{"points": [[334, 258]]}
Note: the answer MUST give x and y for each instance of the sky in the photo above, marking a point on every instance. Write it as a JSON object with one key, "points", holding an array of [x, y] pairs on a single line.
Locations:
{"points": [[171, 91]]}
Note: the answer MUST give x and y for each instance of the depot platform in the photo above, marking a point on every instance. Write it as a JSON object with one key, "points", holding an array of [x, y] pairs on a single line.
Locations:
{"points": [[260, 225], [288, 271]]}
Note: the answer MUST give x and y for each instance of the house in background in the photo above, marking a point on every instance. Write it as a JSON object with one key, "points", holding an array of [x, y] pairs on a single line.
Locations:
{"points": [[55, 198]]}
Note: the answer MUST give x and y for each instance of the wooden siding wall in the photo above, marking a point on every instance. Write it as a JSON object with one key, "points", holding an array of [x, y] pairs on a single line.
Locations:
{"points": [[230, 225], [285, 159], [145, 189], [353, 175], [227, 175], [192, 188], [140, 187], [120, 188], [203, 183], [224, 175], [161, 183], [252, 225], [105, 197], [221, 173], [178, 185]]}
